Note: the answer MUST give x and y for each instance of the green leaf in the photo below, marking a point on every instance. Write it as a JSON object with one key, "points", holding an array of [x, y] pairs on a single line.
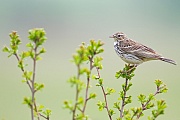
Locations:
{"points": [[95, 77], [40, 108], [92, 96], [37, 36], [14, 44], [27, 101], [142, 98], [101, 105], [111, 112], [38, 58], [128, 100], [117, 75], [134, 110], [100, 82], [47, 112], [150, 105], [6, 49], [97, 62], [158, 83], [110, 91], [126, 73], [21, 64], [74, 81], [161, 105], [118, 118], [80, 100], [31, 54], [121, 93], [30, 45], [38, 86], [42, 51], [150, 118], [163, 89], [151, 97], [101, 50], [128, 86], [68, 105], [117, 105], [25, 54], [28, 75], [23, 81], [127, 114], [85, 70], [81, 117]]}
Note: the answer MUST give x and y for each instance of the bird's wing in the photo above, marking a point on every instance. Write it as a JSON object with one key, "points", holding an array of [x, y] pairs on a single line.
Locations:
{"points": [[138, 49]]}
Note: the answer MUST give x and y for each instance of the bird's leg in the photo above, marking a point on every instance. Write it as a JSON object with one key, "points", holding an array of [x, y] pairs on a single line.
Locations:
{"points": [[131, 67]]}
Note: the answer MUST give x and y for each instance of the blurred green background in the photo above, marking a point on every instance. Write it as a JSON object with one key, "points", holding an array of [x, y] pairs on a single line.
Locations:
{"points": [[70, 22]]}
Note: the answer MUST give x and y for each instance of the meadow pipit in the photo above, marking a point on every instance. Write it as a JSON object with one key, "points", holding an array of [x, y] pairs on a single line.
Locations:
{"points": [[133, 52]]}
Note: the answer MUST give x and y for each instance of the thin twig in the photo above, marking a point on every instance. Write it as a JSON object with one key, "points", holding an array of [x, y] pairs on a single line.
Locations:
{"points": [[105, 99], [144, 105], [35, 107], [123, 99], [105, 95], [87, 85], [47, 118], [30, 86], [86, 95], [22, 69], [77, 94], [33, 81]]}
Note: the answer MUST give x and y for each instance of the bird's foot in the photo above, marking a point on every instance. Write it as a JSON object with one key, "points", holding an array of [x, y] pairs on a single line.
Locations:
{"points": [[130, 68]]}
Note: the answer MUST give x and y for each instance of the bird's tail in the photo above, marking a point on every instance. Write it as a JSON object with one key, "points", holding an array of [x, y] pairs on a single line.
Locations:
{"points": [[167, 60]]}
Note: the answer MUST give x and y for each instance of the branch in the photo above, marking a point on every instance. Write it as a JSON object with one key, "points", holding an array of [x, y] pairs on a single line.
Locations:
{"points": [[37, 37], [145, 105], [123, 99], [47, 118], [86, 95], [87, 85], [35, 108], [33, 80], [30, 87], [105, 95], [77, 94], [22, 69]]}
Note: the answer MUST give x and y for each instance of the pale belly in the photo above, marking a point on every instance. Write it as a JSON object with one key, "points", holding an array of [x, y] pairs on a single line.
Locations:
{"points": [[131, 59], [128, 58]]}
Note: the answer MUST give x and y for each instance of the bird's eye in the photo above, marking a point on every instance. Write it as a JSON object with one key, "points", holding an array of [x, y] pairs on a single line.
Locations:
{"points": [[118, 35]]}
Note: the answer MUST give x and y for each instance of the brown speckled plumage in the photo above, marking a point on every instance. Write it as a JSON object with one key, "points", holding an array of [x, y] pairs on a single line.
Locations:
{"points": [[133, 52]]}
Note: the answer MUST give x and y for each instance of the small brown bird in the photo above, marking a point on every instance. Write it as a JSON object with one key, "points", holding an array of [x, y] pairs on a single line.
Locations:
{"points": [[133, 52]]}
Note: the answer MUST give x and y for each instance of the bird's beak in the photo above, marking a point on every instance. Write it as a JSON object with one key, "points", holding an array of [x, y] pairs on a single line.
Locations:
{"points": [[111, 36]]}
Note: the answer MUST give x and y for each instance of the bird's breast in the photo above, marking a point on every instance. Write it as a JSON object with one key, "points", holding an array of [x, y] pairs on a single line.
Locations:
{"points": [[118, 49], [129, 58]]}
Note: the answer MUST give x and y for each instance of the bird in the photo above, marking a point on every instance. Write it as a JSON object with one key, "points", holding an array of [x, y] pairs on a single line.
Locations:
{"points": [[135, 53]]}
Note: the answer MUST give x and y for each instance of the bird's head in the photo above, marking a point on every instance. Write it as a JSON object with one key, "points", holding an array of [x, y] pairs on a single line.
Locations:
{"points": [[119, 36]]}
